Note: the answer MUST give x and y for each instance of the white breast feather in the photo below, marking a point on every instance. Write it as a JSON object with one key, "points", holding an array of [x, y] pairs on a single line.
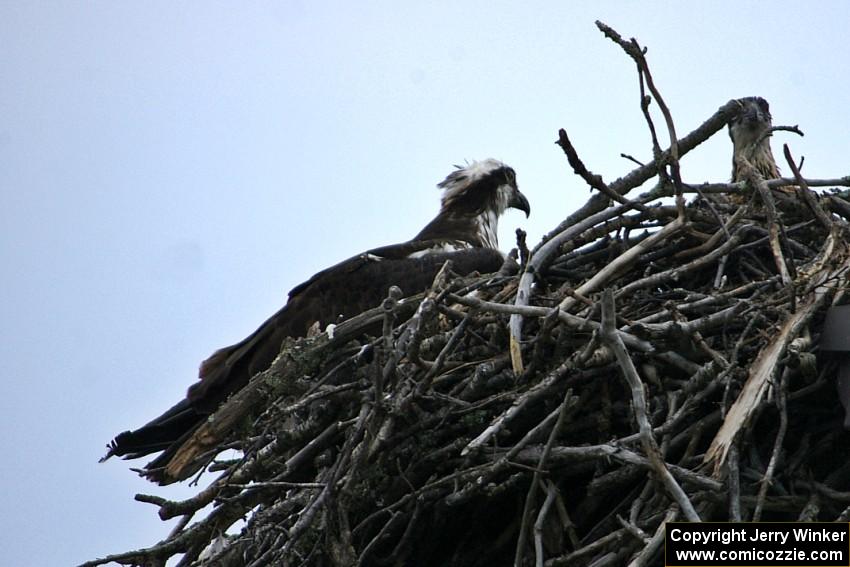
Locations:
{"points": [[445, 247], [488, 225]]}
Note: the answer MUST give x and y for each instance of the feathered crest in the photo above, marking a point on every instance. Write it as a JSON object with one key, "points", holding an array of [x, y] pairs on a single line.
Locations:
{"points": [[474, 187]]}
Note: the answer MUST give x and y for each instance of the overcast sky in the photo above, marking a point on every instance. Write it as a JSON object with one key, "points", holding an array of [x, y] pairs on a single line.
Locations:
{"points": [[169, 171]]}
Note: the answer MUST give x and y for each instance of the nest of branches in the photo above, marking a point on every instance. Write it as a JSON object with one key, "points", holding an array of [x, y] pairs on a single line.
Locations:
{"points": [[651, 361]]}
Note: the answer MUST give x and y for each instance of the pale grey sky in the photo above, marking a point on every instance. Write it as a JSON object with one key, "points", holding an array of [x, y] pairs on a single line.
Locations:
{"points": [[169, 171]]}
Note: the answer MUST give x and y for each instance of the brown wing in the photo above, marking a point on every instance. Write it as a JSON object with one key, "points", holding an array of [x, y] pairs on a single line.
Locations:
{"points": [[340, 292], [335, 294]]}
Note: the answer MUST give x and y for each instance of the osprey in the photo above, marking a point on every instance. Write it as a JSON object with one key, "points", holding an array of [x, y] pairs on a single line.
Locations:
{"points": [[465, 231], [750, 133]]}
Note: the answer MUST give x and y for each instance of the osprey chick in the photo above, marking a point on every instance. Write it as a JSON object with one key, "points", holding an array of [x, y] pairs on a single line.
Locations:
{"points": [[750, 133], [464, 231]]}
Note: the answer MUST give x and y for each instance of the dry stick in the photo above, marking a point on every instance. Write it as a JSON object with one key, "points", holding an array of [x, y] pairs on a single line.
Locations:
{"points": [[535, 481], [808, 198], [245, 471], [439, 362], [632, 159], [537, 262], [638, 503], [542, 253], [506, 461], [645, 101], [623, 261], [767, 480], [633, 529], [633, 49], [579, 221], [720, 276], [216, 522], [517, 408], [831, 263], [715, 238], [428, 491], [408, 344], [693, 326], [734, 483], [522, 247], [307, 515], [566, 521], [738, 186], [811, 510], [610, 336], [599, 544], [317, 394], [755, 179], [592, 179], [649, 551], [389, 305], [795, 129], [642, 174], [695, 302], [404, 547], [713, 208], [551, 493], [277, 485], [541, 388], [181, 525], [831, 493], [678, 271]]}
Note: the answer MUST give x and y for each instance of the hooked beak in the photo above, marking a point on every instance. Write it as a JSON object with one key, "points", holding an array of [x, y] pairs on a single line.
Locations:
{"points": [[518, 201]]}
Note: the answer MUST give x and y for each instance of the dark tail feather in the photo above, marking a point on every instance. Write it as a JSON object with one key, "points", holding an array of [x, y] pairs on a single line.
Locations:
{"points": [[225, 372], [154, 471], [159, 434]]}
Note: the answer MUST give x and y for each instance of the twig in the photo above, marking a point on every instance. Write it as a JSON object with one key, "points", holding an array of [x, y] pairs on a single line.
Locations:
{"points": [[753, 177], [522, 247], [650, 447], [733, 474], [765, 365], [767, 480], [809, 199], [622, 261], [631, 159], [535, 482], [649, 551], [551, 493], [595, 181], [795, 129], [638, 54]]}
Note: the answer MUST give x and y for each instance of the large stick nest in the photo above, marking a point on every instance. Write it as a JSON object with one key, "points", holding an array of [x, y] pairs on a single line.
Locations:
{"points": [[661, 363]]}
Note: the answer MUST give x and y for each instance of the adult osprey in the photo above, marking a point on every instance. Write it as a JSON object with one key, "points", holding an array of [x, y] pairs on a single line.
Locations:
{"points": [[465, 231]]}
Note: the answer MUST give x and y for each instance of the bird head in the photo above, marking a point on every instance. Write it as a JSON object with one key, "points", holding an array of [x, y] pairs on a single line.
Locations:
{"points": [[474, 197], [752, 122], [482, 186]]}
